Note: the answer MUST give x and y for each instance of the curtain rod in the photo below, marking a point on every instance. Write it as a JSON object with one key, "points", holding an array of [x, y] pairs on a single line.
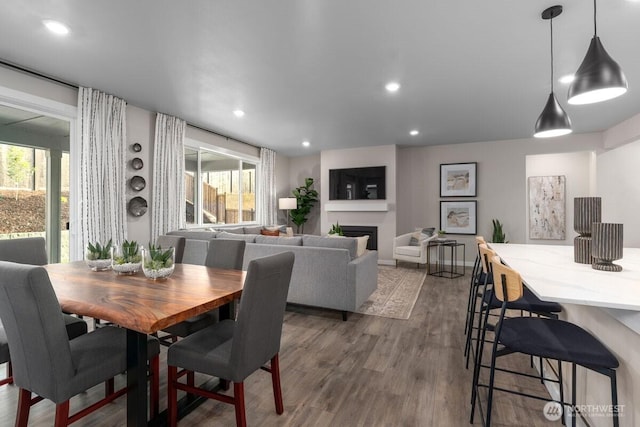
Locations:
{"points": [[37, 74], [75, 86]]}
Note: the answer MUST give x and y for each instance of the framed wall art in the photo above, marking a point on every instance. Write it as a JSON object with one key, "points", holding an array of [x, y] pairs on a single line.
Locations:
{"points": [[458, 217], [547, 207], [458, 180]]}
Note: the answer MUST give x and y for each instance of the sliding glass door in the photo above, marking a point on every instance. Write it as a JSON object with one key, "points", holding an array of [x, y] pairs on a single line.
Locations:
{"points": [[35, 179]]}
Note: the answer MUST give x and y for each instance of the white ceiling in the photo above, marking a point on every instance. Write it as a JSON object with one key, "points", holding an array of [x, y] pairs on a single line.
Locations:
{"points": [[315, 69]]}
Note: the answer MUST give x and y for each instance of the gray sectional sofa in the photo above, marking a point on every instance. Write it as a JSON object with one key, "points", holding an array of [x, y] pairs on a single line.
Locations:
{"points": [[327, 271]]}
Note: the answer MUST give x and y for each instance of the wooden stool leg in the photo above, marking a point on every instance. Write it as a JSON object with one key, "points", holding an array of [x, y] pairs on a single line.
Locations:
{"points": [[614, 397], [275, 379], [238, 397]]}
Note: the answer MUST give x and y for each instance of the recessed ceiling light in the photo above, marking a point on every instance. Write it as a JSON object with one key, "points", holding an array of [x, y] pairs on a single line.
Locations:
{"points": [[238, 113], [567, 79], [392, 86], [414, 132], [306, 143], [56, 27]]}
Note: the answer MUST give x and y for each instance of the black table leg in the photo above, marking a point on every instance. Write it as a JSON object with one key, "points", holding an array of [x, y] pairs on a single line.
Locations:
{"points": [[136, 379]]}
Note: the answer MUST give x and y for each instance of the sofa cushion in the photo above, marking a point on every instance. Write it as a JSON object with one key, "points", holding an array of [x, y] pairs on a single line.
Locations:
{"points": [[272, 240], [408, 251], [253, 229], [195, 234], [348, 243], [249, 238]]}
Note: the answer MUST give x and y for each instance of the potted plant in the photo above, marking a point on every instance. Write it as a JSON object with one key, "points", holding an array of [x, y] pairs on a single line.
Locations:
{"points": [[441, 234], [306, 197], [336, 230], [158, 263], [98, 256], [498, 235], [126, 259]]}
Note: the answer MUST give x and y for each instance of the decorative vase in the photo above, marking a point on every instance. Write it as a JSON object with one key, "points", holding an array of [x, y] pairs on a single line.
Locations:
{"points": [[158, 263], [125, 263], [99, 264], [607, 246], [586, 211]]}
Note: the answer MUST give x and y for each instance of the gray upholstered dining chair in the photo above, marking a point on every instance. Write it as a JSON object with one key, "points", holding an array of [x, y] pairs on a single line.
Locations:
{"points": [[233, 350], [225, 253], [195, 251], [220, 253], [30, 250], [176, 242], [45, 361]]}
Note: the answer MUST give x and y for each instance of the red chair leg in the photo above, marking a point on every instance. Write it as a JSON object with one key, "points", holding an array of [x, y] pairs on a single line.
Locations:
{"points": [[172, 396], [275, 379], [224, 384], [62, 414], [238, 397], [155, 387], [9, 373], [24, 404]]}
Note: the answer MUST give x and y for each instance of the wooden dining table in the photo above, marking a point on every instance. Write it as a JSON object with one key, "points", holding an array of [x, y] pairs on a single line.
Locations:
{"points": [[143, 306]]}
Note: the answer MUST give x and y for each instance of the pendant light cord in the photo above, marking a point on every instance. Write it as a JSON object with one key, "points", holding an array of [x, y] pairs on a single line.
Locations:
{"points": [[595, 25], [551, 25]]}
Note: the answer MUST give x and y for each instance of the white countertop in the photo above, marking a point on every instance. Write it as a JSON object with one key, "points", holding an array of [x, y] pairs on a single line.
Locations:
{"points": [[550, 272]]}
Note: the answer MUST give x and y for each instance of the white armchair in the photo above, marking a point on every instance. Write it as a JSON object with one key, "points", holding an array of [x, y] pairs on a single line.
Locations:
{"points": [[404, 252]]}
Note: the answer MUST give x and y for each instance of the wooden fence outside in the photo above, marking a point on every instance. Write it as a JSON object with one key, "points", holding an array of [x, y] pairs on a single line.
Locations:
{"points": [[217, 209]]}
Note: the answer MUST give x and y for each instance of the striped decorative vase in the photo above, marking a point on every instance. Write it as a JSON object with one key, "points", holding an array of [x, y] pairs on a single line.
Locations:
{"points": [[586, 211], [607, 246]]}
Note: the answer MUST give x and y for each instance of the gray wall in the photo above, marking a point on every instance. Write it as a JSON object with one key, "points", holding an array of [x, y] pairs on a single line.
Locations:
{"points": [[501, 179]]}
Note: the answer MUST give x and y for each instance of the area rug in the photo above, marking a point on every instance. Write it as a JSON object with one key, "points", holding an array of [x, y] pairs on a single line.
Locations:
{"points": [[398, 290]]}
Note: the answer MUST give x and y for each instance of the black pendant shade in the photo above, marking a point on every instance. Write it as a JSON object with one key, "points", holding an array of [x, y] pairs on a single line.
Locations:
{"points": [[553, 121], [599, 77]]}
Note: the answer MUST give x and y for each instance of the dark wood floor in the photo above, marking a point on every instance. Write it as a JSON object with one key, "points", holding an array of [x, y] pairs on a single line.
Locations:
{"points": [[367, 371]]}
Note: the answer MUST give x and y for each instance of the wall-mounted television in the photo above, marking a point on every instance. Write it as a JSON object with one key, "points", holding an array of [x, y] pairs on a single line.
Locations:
{"points": [[358, 183]]}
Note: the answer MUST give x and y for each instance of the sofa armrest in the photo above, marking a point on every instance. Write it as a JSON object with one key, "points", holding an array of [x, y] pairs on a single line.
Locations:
{"points": [[402, 240], [362, 278]]}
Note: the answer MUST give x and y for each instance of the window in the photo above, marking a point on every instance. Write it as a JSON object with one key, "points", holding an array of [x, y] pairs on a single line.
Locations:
{"points": [[219, 188]]}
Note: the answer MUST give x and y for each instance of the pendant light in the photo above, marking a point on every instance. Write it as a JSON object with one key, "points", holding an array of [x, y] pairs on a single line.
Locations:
{"points": [[553, 121], [599, 77]]}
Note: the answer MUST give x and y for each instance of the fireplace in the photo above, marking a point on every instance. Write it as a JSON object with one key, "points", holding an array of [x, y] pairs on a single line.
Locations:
{"points": [[363, 230]]}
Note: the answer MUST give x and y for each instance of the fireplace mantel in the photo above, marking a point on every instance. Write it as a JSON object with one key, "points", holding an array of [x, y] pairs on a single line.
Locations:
{"points": [[357, 206]]}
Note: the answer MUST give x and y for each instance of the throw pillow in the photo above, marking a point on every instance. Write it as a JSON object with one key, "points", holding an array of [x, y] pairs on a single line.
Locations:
{"points": [[362, 245], [416, 238], [266, 232]]}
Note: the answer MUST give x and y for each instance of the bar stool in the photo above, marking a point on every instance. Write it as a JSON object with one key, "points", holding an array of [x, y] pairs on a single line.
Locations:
{"points": [[528, 302], [540, 337]]}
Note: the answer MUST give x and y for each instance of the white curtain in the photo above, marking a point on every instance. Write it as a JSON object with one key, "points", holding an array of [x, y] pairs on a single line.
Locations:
{"points": [[168, 200], [102, 122], [266, 197]]}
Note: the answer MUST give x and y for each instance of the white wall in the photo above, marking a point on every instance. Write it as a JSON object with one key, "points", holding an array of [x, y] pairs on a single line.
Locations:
{"points": [[577, 168], [301, 168], [618, 185], [385, 221], [140, 129]]}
